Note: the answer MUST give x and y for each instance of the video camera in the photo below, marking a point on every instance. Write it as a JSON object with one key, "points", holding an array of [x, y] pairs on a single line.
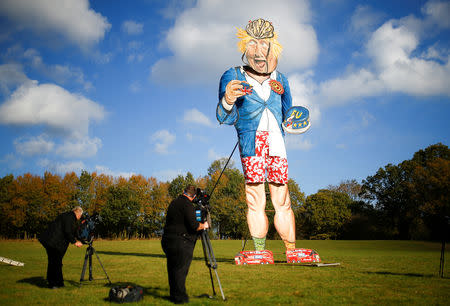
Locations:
{"points": [[86, 229], [201, 201]]}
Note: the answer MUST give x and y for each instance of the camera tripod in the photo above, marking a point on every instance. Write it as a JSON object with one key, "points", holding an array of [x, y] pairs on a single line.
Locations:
{"points": [[88, 257], [210, 260]]}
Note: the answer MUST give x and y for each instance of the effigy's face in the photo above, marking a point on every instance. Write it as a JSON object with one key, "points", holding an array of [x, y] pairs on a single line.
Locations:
{"points": [[260, 56]]}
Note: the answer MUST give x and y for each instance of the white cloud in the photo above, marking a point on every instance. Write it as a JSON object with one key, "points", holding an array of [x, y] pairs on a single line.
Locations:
{"points": [[62, 168], [298, 142], [303, 91], [204, 44], [162, 140], [436, 53], [61, 74], [12, 161], [30, 146], [395, 64], [73, 19], [107, 171], [11, 76], [167, 175], [52, 106], [438, 12], [364, 20], [213, 155], [355, 85], [132, 27], [197, 117], [391, 48], [86, 147]]}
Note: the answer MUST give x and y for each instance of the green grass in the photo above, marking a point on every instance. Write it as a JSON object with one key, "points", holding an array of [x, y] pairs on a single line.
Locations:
{"points": [[371, 273]]}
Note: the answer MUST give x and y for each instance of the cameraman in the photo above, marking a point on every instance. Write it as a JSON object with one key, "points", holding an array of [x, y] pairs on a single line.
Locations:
{"points": [[178, 242], [56, 239]]}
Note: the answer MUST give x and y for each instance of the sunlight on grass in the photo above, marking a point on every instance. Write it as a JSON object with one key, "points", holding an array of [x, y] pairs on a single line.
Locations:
{"points": [[371, 272]]}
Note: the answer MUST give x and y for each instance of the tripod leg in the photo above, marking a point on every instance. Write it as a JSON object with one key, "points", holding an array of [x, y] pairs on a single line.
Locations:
{"points": [[90, 263], [84, 265], [207, 256], [101, 265], [213, 262]]}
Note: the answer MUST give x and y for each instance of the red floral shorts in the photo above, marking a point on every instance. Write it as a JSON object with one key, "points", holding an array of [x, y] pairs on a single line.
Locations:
{"points": [[255, 167]]}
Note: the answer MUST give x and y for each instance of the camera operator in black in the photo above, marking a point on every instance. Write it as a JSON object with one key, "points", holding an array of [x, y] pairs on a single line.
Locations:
{"points": [[56, 239], [178, 242]]}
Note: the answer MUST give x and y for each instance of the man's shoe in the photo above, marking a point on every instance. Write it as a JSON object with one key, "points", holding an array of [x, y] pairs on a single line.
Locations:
{"points": [[254, 257], [302, 256]]}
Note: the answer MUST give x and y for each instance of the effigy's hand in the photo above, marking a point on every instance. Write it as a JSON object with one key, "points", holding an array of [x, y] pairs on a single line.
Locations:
{"points": [[234, 90]]}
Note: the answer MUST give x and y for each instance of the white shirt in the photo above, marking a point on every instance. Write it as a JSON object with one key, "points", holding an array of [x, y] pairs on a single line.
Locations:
{"points": [[267, 122]]}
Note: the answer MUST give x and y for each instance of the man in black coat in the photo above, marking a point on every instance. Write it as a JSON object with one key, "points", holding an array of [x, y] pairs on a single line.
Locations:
{"points": [[56, 239], [178, 242]]}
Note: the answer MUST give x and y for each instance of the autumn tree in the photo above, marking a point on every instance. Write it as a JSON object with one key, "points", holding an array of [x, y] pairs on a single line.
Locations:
{"points": [[55, 201], [326, 212], [120, 214], [99, 186], [412, 196], [69, 185], [388, 189], [429, 187], [5, 203], [27, 207], [351, 187], [178, 184], [228, 205]]}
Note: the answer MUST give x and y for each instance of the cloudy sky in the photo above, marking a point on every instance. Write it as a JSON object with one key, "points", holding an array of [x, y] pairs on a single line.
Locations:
{"points": [[124, 89]]}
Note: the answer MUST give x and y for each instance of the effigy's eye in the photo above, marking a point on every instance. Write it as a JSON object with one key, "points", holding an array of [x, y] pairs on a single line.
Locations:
{"points": [[264, 45], [251, 43]]}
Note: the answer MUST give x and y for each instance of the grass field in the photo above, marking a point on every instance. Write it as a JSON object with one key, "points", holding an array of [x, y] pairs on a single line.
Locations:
{"points": [[371, 272]]}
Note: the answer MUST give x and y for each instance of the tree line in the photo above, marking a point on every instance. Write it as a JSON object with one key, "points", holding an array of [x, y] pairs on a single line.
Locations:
{"points": [[410, 200]]}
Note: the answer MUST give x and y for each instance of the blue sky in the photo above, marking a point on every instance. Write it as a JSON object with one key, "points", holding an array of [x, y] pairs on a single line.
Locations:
{"points": [[130, 87]]}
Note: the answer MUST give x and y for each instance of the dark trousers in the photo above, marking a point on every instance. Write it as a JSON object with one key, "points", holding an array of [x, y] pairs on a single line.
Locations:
{"points": [[179, 252], [54, 267]]}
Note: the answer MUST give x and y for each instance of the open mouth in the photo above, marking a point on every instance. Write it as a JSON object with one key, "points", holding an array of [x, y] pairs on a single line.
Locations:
{"points": [[260, 64]]}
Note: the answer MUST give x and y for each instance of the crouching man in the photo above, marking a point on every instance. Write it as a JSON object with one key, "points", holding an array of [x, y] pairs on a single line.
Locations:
{"points": [[56, 239]]}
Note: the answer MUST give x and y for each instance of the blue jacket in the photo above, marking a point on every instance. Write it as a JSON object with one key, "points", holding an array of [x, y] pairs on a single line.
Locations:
{"points": [[247, 110]]}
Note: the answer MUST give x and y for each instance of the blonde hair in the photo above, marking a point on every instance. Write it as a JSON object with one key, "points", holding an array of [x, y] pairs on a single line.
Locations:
{"points": [[259, 29]]}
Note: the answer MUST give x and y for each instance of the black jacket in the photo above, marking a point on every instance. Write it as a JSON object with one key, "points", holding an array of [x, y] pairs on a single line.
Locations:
{"points": [[180, 219], [60, 232]]}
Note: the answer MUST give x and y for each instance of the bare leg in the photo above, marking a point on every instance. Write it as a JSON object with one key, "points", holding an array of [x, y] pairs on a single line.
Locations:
{"points": [[284, 216], [256, 215]]}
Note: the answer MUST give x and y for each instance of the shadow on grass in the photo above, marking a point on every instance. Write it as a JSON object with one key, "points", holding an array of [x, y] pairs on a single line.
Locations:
{"points": [[159, 256], [401, 274], [37, 281], [229, 260], [131, 254]]}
